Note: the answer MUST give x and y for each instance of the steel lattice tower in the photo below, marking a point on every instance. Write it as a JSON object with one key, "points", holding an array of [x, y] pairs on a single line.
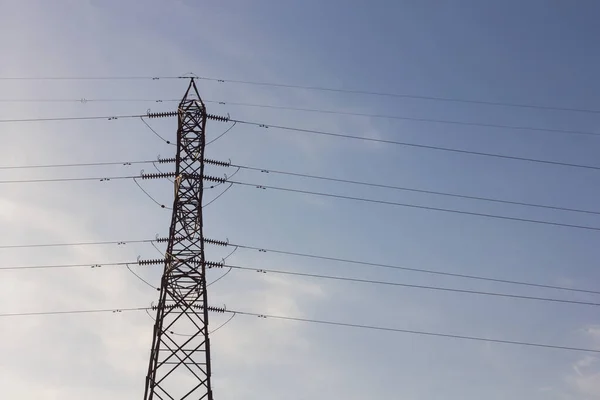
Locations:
{"points": [[180, 364]]}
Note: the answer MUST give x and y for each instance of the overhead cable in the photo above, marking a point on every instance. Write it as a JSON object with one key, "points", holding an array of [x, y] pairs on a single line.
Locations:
{"points": [[332, 112], [324, 194], [413, 286], [409, 189], [309, 176], [333, 134], [117, 242], [414, 332], [319, 322], [283, 252], [231, 267], [404, 95], [318, 88], [398, 267], [417, 145], [417, 206]]}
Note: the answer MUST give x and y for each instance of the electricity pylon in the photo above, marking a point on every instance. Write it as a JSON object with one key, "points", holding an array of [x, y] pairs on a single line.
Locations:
{"points": [[179, 365]]}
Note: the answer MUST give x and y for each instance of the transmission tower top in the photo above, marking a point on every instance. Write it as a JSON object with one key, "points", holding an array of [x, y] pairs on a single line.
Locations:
{"points": [[191, 94]]}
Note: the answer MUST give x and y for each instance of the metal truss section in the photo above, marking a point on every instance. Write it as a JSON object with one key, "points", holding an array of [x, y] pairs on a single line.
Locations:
{"points": [[179, 365]]}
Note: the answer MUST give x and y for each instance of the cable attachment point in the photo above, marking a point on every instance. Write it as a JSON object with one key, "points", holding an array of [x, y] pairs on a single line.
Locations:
{"points": [[158, 175], [158, 239], [214, 179], [217, 117], [217, 162], [216, 242], [213, 264], [156, 261], [188, 75], [221, 310], [164, 307], [161, 114], [166, 160]]}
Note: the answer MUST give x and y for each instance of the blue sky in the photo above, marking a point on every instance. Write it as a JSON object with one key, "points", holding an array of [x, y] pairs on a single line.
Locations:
{"points": [[531, 52]]}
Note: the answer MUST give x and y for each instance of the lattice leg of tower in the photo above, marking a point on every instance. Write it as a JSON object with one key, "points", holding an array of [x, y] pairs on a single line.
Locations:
{"points": [[180, 356]]}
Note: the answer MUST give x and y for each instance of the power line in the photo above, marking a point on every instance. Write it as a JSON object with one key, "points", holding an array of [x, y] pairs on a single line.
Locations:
{"points": [[406, 285], [99, 243], [414, 332], [319, 322], [74, 165], [150, 196], [301, 175], [318, 276], [336, 196], [340, 135], [416, 145], [156, 133], [65, 266], [408, 189], [84, 100], [222, 134], [106, 117], [283, 252], [418, 270], [82, 179], [88, 78], [326, 111], [414, 119], [67, 312], [404, 95], [141, 279], [322, 89], [416, 206], [110, 178]]}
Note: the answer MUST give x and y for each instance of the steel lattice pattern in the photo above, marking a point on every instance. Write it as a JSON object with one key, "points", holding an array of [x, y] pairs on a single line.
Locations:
{"points": [[180, 365]]}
